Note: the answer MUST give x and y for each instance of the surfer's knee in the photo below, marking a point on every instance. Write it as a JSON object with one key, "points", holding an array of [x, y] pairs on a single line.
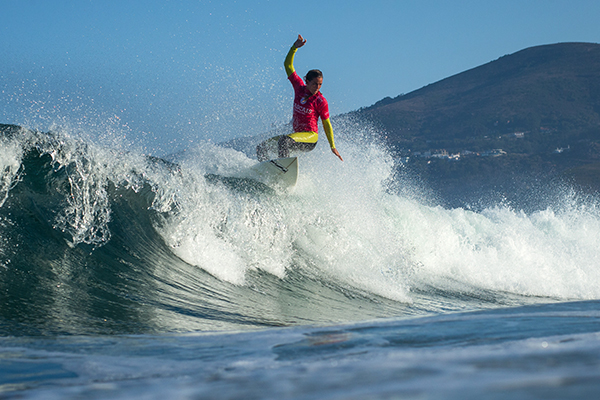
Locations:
{"points": [[283, 145], [262, 152]]}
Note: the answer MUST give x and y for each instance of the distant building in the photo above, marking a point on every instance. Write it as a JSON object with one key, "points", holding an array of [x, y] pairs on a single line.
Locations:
{"points": [[440, 154], [561, 150], [493, 153]]}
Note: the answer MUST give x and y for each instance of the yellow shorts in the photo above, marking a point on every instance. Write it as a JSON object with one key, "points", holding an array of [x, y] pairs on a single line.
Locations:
{"points": [[305, 137]]}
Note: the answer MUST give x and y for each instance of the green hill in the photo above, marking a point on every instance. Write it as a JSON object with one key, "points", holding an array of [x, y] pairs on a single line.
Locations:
{"points": [[529, 104], [556, 87]]}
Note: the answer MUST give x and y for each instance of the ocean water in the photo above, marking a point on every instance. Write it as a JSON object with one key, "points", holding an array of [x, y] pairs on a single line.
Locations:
{"points": [[127, 276]]}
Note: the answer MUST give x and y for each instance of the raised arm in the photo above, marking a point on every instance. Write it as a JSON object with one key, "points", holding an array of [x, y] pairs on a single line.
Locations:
{"points": [[289, 59]]}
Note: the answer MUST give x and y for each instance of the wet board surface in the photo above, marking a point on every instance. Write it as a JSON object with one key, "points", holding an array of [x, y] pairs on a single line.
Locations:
{"points": [[281, 173]]}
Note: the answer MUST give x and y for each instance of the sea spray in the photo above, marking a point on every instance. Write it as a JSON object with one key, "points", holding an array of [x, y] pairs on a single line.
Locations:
{"points": [[10, 166], [332, 223], [547, 253]]}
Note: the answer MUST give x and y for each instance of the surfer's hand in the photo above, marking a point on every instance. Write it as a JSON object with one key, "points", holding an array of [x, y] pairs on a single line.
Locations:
{"points": [[337, 153], [299, 42]]}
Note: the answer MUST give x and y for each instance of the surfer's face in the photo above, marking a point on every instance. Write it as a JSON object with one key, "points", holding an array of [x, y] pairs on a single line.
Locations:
{"points": [[314, 85]]}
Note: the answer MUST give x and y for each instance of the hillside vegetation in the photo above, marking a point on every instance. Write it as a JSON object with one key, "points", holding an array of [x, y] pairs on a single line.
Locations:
{"points": [[541, 106]]}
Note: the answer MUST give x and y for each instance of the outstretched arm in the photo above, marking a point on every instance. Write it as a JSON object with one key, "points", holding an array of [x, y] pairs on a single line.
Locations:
{"points": [[329, 132], [289, 59]]}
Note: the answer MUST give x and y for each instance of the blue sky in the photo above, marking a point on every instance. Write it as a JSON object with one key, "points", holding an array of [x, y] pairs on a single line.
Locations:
{"points": [[168, 74]]}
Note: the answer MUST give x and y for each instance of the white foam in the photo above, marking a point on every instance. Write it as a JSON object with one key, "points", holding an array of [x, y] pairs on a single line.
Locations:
{"points": [[547, 253], [343, 223], [10, 164], [335, 221]]}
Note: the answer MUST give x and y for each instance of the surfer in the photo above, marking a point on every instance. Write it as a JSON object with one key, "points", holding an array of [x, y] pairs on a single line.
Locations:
{"points": [[309, 105]]}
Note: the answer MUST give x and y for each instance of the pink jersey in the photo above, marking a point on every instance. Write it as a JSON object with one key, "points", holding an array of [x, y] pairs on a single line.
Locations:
{"points": [[307, 108]]}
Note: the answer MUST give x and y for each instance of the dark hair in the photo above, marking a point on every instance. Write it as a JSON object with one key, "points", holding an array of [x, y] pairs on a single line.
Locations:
{"points": [[312, 74]]}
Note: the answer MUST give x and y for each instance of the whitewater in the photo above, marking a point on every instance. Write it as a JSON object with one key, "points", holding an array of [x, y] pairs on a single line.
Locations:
{"points": [[129, 276]]}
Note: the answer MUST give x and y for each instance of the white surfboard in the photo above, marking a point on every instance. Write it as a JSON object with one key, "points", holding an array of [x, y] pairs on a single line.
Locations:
{"points": [[280, 173]]}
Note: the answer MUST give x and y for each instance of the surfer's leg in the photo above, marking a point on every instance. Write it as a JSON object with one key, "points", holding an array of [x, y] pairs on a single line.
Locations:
{"points": [[284, 144], [265, 150], [304, 147], [287, 144], [262, 152]]}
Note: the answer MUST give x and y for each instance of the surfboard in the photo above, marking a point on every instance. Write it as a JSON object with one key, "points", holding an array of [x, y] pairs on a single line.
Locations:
{"points": [[281, 173]]}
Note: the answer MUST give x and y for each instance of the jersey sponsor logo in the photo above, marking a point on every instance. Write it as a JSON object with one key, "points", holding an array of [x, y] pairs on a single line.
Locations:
{"points": [[303, 100], [301, 109]]}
